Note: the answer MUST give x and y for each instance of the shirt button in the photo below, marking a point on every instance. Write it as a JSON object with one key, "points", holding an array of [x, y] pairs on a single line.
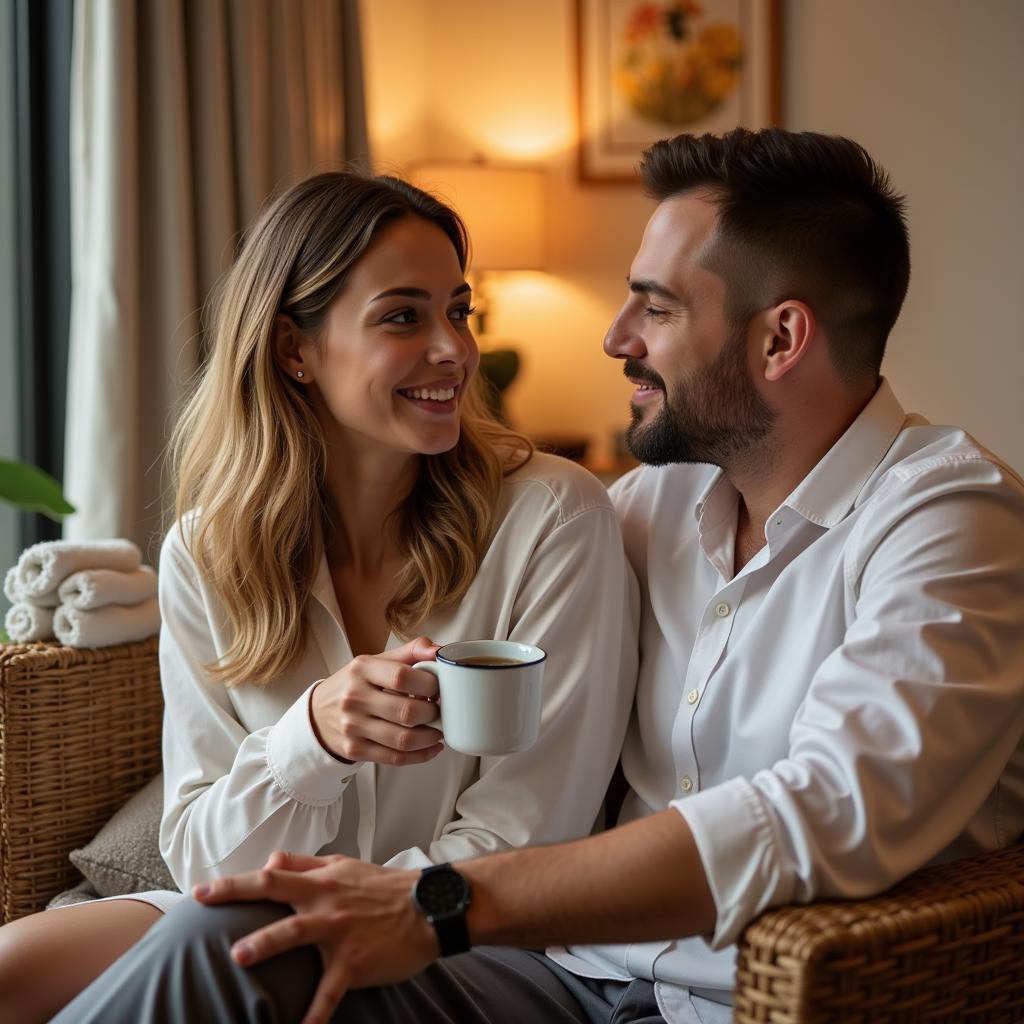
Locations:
{"points": [[722, 609], [691, 697], [686, 783]]}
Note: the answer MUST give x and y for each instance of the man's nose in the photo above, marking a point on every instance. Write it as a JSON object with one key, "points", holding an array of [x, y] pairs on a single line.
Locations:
{"points": [[624, 339]]}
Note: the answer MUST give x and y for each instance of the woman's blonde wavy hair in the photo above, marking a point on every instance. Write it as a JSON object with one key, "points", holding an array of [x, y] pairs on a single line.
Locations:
{"points": [[249, 457]]}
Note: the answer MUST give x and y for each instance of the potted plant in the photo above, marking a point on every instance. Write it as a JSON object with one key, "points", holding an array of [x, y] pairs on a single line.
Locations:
{"points": [[31, 490]]}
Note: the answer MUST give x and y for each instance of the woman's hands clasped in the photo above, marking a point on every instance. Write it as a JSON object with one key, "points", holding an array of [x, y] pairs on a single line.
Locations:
{"points": [[377, 708]]}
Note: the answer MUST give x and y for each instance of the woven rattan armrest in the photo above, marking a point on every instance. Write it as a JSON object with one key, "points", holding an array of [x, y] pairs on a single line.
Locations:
{"points": [[946, 944], [79, 734]]}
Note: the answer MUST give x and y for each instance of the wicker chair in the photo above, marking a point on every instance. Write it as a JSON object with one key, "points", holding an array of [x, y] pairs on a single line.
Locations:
{"points": [[80, 732], [945, 945]]}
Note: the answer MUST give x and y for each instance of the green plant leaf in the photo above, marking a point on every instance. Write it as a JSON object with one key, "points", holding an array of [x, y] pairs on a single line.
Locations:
{"points": [[32, 490]]}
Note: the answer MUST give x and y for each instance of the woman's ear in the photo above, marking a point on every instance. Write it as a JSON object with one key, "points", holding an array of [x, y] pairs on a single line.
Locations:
{"points": [[289, 349], [791, 330]]}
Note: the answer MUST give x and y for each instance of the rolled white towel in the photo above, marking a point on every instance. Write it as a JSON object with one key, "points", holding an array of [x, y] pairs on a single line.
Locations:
{"points": [[26, 623], [16, 594], [43, 567], [101, 627], [97, 588]]}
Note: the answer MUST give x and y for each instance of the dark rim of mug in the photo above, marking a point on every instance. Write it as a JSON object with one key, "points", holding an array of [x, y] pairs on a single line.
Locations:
{"points": [[455, 661]]}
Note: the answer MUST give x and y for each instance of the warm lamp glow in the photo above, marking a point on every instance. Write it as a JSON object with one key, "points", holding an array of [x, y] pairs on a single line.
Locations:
{"points": [[525, 137], [502, 208]]}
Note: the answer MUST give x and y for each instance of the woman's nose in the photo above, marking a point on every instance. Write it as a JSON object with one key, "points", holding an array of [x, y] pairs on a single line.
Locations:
{"points": [[451, 344]]}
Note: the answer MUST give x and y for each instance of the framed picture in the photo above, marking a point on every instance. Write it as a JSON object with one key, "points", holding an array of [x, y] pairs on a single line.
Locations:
{"points": [[649, 70]]}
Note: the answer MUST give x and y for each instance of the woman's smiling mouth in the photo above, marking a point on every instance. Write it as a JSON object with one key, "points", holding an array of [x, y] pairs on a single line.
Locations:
{"points": [[434, 396], [430, 394]]}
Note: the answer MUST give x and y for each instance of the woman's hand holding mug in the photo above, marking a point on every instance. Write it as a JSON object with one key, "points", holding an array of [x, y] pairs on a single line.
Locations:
{"points": [[377, 708]]}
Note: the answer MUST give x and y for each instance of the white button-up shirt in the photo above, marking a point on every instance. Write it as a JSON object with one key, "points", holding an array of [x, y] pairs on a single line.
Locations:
{"points": [[849, 706], [245, 775]]}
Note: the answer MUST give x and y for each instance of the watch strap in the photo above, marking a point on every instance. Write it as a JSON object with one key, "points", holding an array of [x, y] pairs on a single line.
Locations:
{"points": [[452, 933], [448, 922]]}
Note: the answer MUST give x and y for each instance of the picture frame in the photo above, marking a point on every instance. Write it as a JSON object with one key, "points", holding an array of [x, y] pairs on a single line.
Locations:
{"points": [[650, 70]]}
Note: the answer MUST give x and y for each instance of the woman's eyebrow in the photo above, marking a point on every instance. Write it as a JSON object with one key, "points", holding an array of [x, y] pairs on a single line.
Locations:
{"points": [[417, 293], [406, 293]]}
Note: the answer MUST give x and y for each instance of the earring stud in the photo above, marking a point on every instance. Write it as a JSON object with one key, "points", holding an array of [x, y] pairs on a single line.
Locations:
{"points": [[299, 374]]}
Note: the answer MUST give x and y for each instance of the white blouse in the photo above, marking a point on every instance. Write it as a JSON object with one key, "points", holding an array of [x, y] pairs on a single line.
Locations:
{"points": [[244, 774]]}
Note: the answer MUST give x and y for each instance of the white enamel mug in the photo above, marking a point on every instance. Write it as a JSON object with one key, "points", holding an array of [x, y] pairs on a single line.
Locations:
{"points": [[490, 695]]}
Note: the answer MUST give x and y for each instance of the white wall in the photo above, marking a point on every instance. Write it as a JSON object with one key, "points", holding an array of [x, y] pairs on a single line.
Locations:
{"points": [[932, 88]]}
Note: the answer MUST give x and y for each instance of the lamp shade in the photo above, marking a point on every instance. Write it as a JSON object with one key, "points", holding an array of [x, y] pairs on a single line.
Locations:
{"points": [[502, 208]]}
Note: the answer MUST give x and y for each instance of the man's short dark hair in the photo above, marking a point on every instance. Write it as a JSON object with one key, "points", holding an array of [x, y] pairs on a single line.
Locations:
{"points": [[801, 216]]}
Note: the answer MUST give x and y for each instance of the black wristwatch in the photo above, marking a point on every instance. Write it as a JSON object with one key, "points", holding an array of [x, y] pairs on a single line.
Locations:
{"points": [[442, 895]]}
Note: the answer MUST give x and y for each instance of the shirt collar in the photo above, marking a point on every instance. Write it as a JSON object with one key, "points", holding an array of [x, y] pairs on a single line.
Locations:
{"points": [[323, 589], [828, 492], [328, 630], [706, 495]]}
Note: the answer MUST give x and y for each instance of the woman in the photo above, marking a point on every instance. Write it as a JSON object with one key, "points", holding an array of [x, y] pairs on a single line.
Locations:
{"points": [[340, 487]]}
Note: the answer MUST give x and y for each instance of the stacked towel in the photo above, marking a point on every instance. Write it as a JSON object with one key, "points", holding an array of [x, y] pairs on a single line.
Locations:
{"points": [[87, 594], [97, 588], [15, 593], [101, 627], [27, 623], [43, 567]]}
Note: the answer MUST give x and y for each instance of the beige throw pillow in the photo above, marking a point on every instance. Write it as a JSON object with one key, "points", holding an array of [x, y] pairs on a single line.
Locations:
{"points": [[124, 857]]}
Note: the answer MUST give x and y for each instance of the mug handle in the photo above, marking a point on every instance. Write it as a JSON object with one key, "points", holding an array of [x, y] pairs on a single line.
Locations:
{"points": [[432, 668]]}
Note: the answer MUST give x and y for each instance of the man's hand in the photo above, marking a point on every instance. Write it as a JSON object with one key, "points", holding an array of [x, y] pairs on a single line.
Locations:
{"points": [[635, 883], [361, 918]]}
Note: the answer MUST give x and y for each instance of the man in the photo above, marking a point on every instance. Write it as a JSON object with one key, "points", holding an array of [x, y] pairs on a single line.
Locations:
{"points": [[832, 681]]}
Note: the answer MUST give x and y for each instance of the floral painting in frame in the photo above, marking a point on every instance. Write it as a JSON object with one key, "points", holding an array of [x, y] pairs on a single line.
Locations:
{"points": [[650, 69]]}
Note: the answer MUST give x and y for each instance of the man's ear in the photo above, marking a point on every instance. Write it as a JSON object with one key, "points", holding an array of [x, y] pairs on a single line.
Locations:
{"points": [[289, 349], [790, 332]]}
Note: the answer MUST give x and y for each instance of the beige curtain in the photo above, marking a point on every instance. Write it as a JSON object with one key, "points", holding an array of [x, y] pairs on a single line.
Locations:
{"points": [[186, 115]]}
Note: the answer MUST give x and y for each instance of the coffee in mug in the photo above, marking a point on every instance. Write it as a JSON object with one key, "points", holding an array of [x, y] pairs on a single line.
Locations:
{"points": [[485, 659], [490, 695]]}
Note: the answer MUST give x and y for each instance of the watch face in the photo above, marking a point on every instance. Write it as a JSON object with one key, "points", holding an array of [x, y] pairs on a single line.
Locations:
{"points": [[441, 892]]}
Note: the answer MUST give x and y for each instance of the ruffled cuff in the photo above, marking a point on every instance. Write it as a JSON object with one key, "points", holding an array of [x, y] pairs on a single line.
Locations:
{"points": [[299, 764]]}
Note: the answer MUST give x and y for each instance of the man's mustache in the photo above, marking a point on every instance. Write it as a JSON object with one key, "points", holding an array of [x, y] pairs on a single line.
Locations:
{"points": [[641, 375]]}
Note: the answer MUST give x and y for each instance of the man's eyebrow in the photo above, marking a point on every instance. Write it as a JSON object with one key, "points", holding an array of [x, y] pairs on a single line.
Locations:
{"points": [[648, 287], [417, 293]]}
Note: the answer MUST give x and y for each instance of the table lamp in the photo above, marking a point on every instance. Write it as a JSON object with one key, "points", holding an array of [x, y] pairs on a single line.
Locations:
{"points": [[502, 206]]}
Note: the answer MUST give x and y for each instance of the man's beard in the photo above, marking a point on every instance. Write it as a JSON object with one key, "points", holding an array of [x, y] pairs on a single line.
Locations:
{"points": [[714, 416]]}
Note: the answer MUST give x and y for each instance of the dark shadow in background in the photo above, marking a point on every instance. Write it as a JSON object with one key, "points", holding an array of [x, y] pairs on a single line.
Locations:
{"points": [[42, 69]]}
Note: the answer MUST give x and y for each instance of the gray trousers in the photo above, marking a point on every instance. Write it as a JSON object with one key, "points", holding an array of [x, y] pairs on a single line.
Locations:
{"points": [[181, 971]]}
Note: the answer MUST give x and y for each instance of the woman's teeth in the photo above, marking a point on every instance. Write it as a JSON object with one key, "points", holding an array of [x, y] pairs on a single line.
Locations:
{"points": [[433, 395]]}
